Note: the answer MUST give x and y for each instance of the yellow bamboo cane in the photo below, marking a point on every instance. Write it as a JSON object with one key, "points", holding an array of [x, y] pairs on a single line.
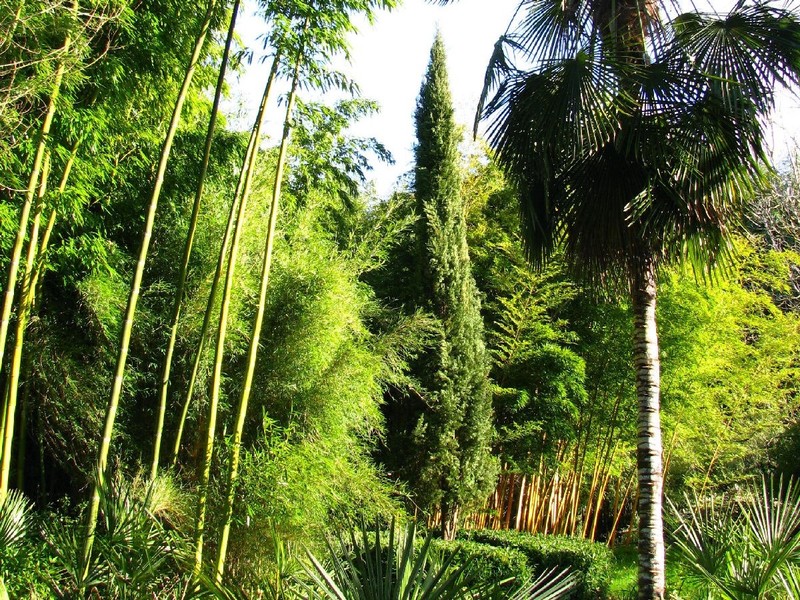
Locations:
{"points": [[233, 466]]}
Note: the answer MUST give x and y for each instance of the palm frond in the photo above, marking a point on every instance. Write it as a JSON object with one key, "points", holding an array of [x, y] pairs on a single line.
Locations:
{"points": [[14, 511], [551, 584], [742, 55], [743, 548], [497, 69], [622, 155]]}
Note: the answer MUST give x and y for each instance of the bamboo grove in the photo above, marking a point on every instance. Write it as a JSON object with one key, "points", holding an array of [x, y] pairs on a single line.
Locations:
{"points": [[226, 327]]}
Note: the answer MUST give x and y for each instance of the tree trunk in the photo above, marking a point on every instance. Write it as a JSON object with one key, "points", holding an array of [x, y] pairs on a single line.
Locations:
{"points": [[648, 453], [450, 514]]}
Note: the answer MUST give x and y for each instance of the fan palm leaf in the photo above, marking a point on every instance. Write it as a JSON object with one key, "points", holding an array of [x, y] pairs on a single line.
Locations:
{"points": [[14, 510], [743, 548]]}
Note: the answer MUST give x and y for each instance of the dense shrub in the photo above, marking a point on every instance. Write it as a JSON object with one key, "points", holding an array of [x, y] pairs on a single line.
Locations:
{"points": [[490, 564], [589, 560]]}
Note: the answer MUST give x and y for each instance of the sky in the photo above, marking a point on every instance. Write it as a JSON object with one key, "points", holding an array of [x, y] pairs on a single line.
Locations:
{"points": [[389, 59]]}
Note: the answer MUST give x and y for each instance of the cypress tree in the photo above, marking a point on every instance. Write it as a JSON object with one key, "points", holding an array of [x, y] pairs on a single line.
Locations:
{"points": [[454, 432]]}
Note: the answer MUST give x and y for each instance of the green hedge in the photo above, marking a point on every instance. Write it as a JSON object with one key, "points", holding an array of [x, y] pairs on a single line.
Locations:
{"points": [[490, 564], [592, 562]]}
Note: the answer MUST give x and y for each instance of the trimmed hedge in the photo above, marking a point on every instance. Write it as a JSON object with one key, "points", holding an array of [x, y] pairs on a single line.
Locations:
{"points": [[490, 564], [591, 561]]}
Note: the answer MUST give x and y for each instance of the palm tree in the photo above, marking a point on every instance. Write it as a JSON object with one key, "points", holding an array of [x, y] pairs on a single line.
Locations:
{"points": [[633, 133]]}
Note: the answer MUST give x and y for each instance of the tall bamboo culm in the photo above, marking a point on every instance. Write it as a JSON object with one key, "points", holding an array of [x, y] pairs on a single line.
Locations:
{"points": [[233, 464], [187, 250], [31, 295], [10, 404], [116, 391], [19, 240], [223, 252], [216, 377]]}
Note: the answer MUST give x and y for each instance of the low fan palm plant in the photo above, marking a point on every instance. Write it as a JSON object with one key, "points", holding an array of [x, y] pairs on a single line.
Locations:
{"points": [[365, 567], [14, 509], [746, 547], [136, 554]]}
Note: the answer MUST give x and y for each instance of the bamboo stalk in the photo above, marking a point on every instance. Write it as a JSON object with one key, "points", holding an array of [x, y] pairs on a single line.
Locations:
{"points": [[520, 503], [601, 497], [116, 392], [33, 293], [187, 250], [22, 322], [621, 507], [19, 241], [252, 147], [532, 503], [10, 39], [574, 503], [216, 379], [668, 457], [221, 260], [233, 466], [634, 509], [509, 504], [590, 498]]}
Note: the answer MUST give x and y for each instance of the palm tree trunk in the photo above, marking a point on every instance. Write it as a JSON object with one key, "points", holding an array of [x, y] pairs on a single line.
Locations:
{"points": [[187, 250], [19, 340], [233, 466], [649, 447], [216, 378], [113, 403], [19, 241]]}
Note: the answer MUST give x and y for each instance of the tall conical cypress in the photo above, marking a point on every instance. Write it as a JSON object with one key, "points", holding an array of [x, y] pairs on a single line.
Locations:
{"points": [[455, 430]]}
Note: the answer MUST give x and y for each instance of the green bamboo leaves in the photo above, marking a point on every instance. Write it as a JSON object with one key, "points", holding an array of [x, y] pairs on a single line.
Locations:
{"points": [[116, 392]]}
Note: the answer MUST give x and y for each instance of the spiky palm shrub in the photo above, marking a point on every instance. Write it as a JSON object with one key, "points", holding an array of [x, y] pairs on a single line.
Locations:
{"points": [[365, 567], [742, 547], [136, 553], [14, 509]]}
